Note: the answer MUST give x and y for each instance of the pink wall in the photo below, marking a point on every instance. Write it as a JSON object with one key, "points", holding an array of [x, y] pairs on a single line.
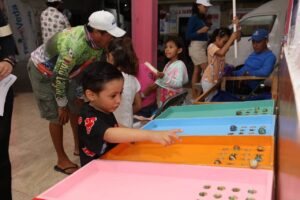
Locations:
{"points": [[144, 29]]}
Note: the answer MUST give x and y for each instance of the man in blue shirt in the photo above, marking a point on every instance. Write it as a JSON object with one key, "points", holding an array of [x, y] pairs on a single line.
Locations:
{"points": [[261, 62]]}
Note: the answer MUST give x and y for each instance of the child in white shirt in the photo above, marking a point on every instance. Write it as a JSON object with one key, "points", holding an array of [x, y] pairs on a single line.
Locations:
{"points": [[120, 56]]}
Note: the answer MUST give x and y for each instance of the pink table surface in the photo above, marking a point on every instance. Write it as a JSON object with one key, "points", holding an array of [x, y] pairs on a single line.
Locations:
{"points": [[144, 181]]}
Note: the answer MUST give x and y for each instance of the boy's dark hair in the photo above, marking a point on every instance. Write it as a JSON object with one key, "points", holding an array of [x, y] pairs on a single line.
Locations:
{"points": [[121, 57], [101, 73], [179, 43], [219, 32]]}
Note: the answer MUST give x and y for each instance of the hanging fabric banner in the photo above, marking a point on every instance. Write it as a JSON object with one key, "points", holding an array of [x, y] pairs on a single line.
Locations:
{"points": [[20, 17]]}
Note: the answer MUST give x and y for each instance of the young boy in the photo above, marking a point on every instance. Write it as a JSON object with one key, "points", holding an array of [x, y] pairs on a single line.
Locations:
{"points": [[98, 129]]}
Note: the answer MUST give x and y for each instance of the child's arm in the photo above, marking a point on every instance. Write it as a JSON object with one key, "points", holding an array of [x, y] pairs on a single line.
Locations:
{"points": [[149, 89], [124, 135], [137, 103], [160, 74], [222, 52], [176, 81], [234, 36]]}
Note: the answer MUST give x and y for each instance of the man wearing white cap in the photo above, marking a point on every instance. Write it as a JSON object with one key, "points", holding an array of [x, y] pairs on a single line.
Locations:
{"points": [[197, 35], [52, 19], [61, 59]]}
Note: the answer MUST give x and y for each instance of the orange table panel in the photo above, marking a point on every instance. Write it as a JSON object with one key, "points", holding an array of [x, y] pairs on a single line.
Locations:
{"points": [[227, 151]]}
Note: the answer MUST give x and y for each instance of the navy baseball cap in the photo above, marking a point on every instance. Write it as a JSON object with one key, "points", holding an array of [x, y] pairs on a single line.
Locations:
{"points": [[259, 35]]}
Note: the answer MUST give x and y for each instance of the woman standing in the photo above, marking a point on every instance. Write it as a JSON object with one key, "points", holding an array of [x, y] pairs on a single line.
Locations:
{"points": [[198, 37], [7, 62]]}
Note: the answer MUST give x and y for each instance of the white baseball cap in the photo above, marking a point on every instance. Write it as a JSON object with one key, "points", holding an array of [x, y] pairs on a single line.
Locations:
{"points": [[204, 2], [105, 21], [50, 1]]}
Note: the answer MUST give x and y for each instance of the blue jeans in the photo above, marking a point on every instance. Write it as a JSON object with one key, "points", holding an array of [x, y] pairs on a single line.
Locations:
{"points": [[5, 166], [148, 111]]}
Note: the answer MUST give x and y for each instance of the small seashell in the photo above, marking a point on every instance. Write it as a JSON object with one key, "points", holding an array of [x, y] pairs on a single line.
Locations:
{"points": [[252, 191], [221, 188], [236, 147], [253, 163], [207, 187], [202, 194], [262, 130], [238, 112], [217, 162], [260, 148], [236, 189], [217, 196], [258, 157], [233, 128], [232, 156], [233, 197]]}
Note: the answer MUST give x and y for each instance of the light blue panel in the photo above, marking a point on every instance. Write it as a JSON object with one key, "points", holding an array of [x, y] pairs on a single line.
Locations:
{"points": [[249, 125]]}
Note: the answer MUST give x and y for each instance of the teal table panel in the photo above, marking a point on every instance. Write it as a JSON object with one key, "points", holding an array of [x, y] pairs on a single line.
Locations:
{"points": [[262, 107]]}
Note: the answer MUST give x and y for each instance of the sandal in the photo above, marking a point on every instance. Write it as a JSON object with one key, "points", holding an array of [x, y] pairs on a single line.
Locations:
{"points": [[65, 170]]}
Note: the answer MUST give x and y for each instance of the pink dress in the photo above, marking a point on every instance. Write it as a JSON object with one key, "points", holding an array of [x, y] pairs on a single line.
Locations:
{"points": [[175, 77]]}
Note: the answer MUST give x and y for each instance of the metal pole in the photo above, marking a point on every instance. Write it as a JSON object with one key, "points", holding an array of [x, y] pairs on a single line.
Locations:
{"points": [[118, 13], [234, 26]]}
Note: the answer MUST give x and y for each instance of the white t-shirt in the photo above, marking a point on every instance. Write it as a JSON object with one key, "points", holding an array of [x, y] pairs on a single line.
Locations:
{"points": [[124, 113]]}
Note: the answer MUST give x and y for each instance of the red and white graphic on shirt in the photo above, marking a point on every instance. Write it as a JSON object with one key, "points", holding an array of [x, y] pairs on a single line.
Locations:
{"points": [[88, 152], [79, 120], [89, 123]]}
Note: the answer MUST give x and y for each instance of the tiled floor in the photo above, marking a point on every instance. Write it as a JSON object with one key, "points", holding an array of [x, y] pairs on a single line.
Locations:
{"points": [[31, 150]]}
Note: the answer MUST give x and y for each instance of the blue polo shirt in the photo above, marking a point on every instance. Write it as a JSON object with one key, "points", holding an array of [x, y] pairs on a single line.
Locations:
{"points": [[195, 23], [258, 64]]}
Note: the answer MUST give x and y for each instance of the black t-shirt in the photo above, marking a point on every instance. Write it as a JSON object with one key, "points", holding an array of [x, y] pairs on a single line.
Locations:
{"points": [[92, 125]]}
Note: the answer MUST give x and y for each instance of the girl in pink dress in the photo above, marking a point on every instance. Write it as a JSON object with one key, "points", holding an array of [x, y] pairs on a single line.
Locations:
{"points": [[174, 75]]}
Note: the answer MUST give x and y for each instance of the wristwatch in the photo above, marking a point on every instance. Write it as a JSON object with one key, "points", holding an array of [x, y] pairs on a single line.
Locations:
{"points": [[11, 60]]}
